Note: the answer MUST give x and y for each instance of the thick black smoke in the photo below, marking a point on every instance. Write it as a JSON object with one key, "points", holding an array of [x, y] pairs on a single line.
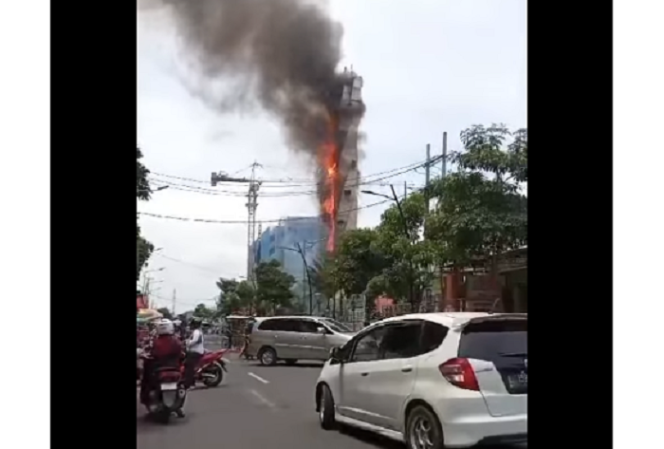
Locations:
{"points": [[284, 53]]}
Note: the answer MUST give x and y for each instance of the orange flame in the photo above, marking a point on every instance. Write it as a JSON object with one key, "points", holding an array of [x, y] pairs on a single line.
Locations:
{"points": [[329, 159]]}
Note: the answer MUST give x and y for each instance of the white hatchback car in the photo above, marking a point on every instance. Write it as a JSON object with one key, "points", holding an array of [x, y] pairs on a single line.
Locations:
{"points": [[432, 380]]}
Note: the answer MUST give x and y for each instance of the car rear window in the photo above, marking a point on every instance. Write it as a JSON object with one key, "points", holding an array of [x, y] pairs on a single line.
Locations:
{"points": [[497, 341]]}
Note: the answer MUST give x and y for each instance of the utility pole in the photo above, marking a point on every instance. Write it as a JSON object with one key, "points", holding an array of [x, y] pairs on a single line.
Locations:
{"points": [[173, 304], [427, 197], [427, 177], [146, 291], [252, 205], [444, 172]]}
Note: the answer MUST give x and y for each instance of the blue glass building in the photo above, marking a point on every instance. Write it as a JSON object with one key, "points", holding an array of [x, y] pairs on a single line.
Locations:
{"points": [[280, 243]]}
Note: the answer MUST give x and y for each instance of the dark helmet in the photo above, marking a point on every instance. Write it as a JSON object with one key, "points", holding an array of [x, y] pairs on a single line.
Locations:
{"points": [[195, 322]]}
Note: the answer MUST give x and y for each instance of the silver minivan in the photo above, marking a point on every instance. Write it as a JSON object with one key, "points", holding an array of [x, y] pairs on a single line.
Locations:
{"points": [[293, 338]]}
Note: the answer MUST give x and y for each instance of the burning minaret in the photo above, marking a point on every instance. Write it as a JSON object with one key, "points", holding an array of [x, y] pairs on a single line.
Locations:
{"points": [[339, 157]]}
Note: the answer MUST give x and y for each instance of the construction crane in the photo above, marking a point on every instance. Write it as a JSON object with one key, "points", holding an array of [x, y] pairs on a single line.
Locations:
{"points": [[252, 205]]}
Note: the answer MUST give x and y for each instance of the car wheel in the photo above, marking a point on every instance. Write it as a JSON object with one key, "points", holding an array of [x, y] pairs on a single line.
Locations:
{"points": [[291, 362], [326, 409], [423, 430], [267, 356]]}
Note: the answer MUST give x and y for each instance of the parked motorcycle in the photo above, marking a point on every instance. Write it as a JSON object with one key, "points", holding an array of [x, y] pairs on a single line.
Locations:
{"points": [[167, 394], [211, 368]]}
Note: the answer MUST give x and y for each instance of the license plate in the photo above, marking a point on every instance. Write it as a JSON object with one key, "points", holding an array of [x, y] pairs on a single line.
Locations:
{"points": [[169, 386], [518, 380]]}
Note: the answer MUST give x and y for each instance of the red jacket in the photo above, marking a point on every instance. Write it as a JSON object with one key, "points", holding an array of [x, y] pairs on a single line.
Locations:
{"points": [[166, 350]]}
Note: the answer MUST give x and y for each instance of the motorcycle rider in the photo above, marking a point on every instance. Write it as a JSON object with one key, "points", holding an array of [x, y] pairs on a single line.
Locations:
{"points": [[195, 351], [165, 352]]}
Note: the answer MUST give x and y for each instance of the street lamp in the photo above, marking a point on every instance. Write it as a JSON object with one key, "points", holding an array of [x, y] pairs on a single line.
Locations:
{"points": [[300, 251], [405, 231], [148, 191], [396, 200]]}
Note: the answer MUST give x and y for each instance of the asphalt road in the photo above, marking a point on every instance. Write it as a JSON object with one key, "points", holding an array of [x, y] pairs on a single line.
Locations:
{"points": [[254, 408]]}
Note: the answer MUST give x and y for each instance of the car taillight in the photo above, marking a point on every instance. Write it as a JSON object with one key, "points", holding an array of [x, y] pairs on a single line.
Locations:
{"points": [[459, 373]]}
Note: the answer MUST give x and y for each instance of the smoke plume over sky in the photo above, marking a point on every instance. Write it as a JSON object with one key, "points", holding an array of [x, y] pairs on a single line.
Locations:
{"points": [[429, 66], [282, 54]]}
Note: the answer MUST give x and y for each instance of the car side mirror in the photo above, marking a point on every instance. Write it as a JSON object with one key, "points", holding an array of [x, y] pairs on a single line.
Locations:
{"points": [[335, 357], [321, 330]]}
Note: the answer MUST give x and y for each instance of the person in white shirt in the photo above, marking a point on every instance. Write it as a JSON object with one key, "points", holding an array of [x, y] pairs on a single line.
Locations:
{"points": [[195, 350]]}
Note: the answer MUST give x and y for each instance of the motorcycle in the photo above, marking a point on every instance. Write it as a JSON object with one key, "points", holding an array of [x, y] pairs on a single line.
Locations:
{"points": [[167, 394], [211, 368]]}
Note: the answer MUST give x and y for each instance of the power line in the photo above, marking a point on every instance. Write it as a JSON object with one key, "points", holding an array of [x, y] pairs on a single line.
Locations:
{"points": [[308, 183], [186, 303], [214, 192], [196, 189], [205, 220], [209, 270]]}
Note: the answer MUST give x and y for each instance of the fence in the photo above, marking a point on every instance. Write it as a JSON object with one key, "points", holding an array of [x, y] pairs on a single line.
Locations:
{"points": [[357, 318]]}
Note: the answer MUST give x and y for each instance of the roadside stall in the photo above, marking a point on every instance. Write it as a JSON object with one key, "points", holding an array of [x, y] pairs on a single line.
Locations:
{"points": [[144, 319]]}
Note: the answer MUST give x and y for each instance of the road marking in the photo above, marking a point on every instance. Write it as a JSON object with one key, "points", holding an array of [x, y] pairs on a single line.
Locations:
{"points": [[258, 378], [263, 399]]}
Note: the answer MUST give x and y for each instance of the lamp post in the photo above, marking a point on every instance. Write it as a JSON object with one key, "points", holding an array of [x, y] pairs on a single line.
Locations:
{"points": [[411, 293], [301, 251]]}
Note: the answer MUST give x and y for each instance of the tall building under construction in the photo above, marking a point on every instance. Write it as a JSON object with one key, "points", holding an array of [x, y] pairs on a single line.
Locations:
{"points": [[350, 112]]}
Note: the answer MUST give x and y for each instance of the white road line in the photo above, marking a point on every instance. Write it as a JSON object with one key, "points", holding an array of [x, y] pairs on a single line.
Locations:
{"points": [[258, 378], [263, 399]]}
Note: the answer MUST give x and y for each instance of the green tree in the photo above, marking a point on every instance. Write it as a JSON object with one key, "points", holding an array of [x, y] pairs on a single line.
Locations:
{"points": [[235, 296], [481, 209], [143, 190], [165, 312], [246, 296], [324, 279], [273, 287], [357, 260], [204, 312], [407, 257], [144, 248]]}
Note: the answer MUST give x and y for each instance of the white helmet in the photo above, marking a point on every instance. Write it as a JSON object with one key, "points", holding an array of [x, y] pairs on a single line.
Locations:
{"points": [[164, 327]]}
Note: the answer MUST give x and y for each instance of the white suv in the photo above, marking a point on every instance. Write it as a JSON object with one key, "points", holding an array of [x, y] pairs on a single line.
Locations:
{"points": [[432, 380]]}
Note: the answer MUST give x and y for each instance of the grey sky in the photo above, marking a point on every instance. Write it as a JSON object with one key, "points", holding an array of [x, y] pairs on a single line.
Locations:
{"points": [[429, 66]]}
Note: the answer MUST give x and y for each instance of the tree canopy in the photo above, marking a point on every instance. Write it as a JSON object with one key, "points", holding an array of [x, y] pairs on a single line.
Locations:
{"points": [[480, 211], [165, 312], [271, 290], [273, 286], [204, 312], [144, 248]]}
